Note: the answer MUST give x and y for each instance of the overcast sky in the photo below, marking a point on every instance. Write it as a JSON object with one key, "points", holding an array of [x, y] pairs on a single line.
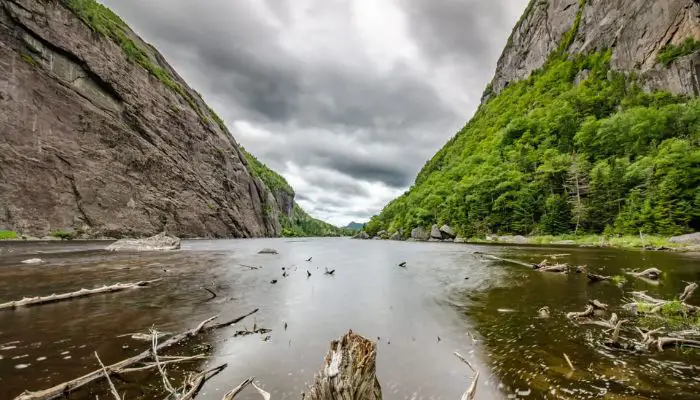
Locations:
{"points": [[346, 98]]}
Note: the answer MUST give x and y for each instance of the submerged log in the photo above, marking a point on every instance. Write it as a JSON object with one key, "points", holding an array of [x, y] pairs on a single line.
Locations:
{"points": [[585, 313], [348, 372], [598, 278], [34, 301], [63, 389], [508, 260], [650, 275]]}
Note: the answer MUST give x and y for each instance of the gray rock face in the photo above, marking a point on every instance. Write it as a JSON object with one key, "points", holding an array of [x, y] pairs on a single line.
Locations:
{"points": [[435, 232], [159, 242], [93, 141], [447, 232], [692, 238], [419, 234], [636, 30]]}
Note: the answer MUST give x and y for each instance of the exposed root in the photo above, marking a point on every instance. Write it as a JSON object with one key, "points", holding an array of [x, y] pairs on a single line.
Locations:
{"points": [[34, 301]]}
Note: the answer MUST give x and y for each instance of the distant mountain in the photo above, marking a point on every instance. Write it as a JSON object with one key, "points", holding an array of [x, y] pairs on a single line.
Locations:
{"points": [[355, 226]]}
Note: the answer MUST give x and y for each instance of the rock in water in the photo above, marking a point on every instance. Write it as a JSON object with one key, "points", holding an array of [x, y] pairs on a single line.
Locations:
{"points": [[395, 236], [268, 250], [114, 143], [362, 235], [691, 238], [159, 242], [447, 231], [419, 233], [435, 233]]}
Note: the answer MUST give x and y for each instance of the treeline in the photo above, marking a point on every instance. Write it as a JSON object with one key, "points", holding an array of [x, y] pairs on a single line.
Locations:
{"points": [[576, 147], [301, 224]]}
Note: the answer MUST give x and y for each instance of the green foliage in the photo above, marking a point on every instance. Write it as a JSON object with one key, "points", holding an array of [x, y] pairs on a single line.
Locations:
{"points": [[63, 235], [670, 52], [547, 156], [7, 235], [29, 59], [619, 280], [301, 224], [270, 178]]}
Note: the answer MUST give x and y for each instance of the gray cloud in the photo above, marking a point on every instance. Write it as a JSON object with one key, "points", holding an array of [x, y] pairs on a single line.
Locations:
{"points": [[348, 100]]}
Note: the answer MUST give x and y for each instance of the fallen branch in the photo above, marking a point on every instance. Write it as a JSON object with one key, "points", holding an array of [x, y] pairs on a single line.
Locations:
{"points": [[167, 362], [688, 291], [598, 278], [471, 391], [67, 387], [585, 313], [112, 388], [649, 275], [598, 305], [264, 394], [34, 301], [194, 383], [230, 395], [568, 361], [492, 257], [249, 266]]}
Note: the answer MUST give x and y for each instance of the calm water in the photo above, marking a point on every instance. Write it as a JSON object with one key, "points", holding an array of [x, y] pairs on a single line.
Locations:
{"points": [[491, 318]]}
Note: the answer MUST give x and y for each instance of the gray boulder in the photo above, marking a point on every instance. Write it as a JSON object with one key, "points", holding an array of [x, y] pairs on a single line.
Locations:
{"points": [[460, 239], [435, 233], [383, 234], [362, 235], [448, 232], [395, 236], [159, 242], [420, 234], [691, 238]]}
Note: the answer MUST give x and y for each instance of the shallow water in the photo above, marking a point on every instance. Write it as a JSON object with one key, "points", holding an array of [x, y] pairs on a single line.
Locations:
{"points": [[491, 318]]}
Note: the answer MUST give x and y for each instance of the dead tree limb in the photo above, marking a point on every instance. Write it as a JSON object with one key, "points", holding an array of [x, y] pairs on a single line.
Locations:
{"points": [[492, 257], [649, 275], [688, 291], [348, 372], [193, 384], [112, 389], [568, 361], [598, 278], [34, 301], [67, 387], [598, 305], [232, 394], [585, 313], [471, 391], [265, 395]]}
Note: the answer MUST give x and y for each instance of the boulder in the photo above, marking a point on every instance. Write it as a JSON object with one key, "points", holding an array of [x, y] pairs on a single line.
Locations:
{"points": [[268, 250], [383, 234], [159, 242], [691, 238], [435, 232], [395, 236], [460, 239], [362, 235], [420, 234], [447, 231]]}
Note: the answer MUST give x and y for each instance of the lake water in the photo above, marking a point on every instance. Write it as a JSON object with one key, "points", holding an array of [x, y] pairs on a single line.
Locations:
{"points": [[419, 316]]}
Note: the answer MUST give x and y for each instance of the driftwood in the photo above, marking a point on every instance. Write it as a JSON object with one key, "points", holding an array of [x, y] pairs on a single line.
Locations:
{"points": [[63, 389], [34, 301], [585, 313], [568, 361], [492, 257], [471, 391], [194, 383], [688, 291], [649, 275], [598, 278], [348, 372], [598, 305], [230, 395]]}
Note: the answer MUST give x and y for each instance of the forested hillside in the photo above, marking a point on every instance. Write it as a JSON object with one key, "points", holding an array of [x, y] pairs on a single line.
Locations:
{"points": [[576, 147]]}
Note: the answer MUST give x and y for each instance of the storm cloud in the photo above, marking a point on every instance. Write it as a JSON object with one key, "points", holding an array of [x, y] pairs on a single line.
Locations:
{"points": [[346, 99]]}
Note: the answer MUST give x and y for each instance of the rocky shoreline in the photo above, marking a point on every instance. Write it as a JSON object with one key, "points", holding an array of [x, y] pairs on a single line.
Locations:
{"points": [[446, 234]]}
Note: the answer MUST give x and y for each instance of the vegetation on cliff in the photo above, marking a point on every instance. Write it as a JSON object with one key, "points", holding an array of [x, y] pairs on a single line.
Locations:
{"points": [[576, 147], [301, 224]]}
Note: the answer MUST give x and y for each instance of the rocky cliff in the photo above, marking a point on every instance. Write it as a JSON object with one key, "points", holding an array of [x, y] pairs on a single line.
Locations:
{"points": [[637, 31], [100, 136]]}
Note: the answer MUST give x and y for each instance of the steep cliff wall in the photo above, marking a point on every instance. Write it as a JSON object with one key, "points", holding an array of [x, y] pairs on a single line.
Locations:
{"points": [[101, 136], [636, 30]]}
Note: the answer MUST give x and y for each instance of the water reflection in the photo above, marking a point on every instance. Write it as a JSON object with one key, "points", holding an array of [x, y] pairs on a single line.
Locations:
{"points": [[485, 310]]}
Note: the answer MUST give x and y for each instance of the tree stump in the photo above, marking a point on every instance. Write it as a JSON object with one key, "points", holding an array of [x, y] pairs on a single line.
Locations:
{"points": [[348, 372]]}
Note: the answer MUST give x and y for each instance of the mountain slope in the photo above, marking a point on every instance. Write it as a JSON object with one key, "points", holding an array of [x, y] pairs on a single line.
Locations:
{"points": [[570, 138], [101, 137]]}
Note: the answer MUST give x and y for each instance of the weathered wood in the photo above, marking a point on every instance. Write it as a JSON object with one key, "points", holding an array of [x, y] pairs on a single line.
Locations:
{"points": [[194, 384], [65, 388], [585, 313], [471, 391], [598, 305], [34, 301], [348, 372], [232, 394], [508, 260], [650, 275], [688, 291], [598, 278]]}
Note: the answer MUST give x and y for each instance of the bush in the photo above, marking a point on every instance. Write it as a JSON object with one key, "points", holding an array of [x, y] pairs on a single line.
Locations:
{"points": [[63, 235], [671, 52]]}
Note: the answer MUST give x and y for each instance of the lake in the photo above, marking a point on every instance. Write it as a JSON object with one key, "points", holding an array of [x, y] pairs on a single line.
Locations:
{"points": [[447, 299]]}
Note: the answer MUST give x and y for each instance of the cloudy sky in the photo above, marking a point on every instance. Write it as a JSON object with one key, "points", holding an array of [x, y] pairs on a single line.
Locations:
{"points": [[346, 98]]}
